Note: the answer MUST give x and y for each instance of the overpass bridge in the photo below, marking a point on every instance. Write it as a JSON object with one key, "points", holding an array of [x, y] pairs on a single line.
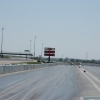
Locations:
{"points": [[16, 53]]}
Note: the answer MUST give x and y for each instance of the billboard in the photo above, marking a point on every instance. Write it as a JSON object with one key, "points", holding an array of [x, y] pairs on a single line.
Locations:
{"points": [[49, 51]]}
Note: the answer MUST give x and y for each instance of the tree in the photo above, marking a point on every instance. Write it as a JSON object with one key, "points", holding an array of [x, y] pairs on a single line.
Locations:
{"points": [[60, 59], [72, 60], [39, 58], [66, 59], [93, 61]]}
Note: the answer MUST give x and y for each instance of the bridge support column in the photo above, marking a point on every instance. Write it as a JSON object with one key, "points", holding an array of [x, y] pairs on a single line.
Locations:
{"points": [[31, 56], [26, 56], [2, 55], [49, 59]]}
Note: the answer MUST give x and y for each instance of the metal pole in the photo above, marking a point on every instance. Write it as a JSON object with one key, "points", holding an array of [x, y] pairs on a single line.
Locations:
{"points": [[42, 50], [34, 45], [2, 42], [62, 57], [87, 56], [30, 46], [49, 59]]}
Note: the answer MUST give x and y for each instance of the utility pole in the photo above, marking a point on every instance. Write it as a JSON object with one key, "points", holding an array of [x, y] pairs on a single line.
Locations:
{"points": [[87, 56], [34, 46], [41, 50], [2, 42], [30, 46], [62, 57]]}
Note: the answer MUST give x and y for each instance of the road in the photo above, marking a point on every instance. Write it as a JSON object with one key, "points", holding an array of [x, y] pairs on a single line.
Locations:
{"points": [[93, 70], [58, 82]]}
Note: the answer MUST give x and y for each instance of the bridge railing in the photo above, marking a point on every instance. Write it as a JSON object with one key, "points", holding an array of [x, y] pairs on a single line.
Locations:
{"points": [[16, 52]]}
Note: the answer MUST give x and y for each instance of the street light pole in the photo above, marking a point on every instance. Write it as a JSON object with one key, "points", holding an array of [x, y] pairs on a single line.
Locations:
{"points": [[30, 46], [41, 50], [2, 42], [34, 46], [87, 56], [62, 57]]}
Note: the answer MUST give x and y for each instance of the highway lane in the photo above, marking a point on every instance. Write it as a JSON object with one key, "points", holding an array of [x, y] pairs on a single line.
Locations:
{"points": [[93, 70], [51, 83]]}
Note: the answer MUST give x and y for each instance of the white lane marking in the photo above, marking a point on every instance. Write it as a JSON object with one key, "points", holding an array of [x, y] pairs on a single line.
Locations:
{"points": [[94, 84], [94, 99], [93, 76], [81, 98], [93, 69]]}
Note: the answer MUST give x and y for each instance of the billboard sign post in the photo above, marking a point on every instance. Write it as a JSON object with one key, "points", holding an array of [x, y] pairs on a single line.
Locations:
{"points": [[49, 52]]}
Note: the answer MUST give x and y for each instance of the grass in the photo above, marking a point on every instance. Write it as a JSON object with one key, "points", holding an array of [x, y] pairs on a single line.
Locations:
{"points": [[26, 63], [32, 62], [4, 56]]}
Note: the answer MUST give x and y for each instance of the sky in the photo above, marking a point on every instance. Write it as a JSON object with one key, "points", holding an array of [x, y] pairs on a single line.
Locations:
{"points": [[72, 27]]}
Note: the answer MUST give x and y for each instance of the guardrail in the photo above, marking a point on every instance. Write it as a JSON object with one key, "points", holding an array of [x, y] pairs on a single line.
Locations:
{"points": [[16, 53], [90, 64], [14, 68]]}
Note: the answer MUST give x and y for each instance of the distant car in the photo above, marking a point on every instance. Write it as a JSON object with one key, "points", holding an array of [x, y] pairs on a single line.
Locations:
{"points": [[79, 63], [71, 63]]}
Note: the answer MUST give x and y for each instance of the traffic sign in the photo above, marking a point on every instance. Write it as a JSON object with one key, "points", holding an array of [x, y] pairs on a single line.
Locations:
{"points": [[26, 51]]}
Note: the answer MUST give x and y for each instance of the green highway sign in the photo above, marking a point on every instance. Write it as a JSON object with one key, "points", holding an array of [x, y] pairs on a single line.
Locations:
{"points": [[26, 51]]}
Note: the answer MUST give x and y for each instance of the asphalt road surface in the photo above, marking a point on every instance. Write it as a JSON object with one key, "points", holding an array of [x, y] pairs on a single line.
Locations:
{"points": [[59, 82]]}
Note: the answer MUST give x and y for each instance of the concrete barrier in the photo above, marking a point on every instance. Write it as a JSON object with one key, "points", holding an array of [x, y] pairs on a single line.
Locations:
{"points": [[6, 69], [28, 67], [90, 64], [1, 69], [14, 68]]}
